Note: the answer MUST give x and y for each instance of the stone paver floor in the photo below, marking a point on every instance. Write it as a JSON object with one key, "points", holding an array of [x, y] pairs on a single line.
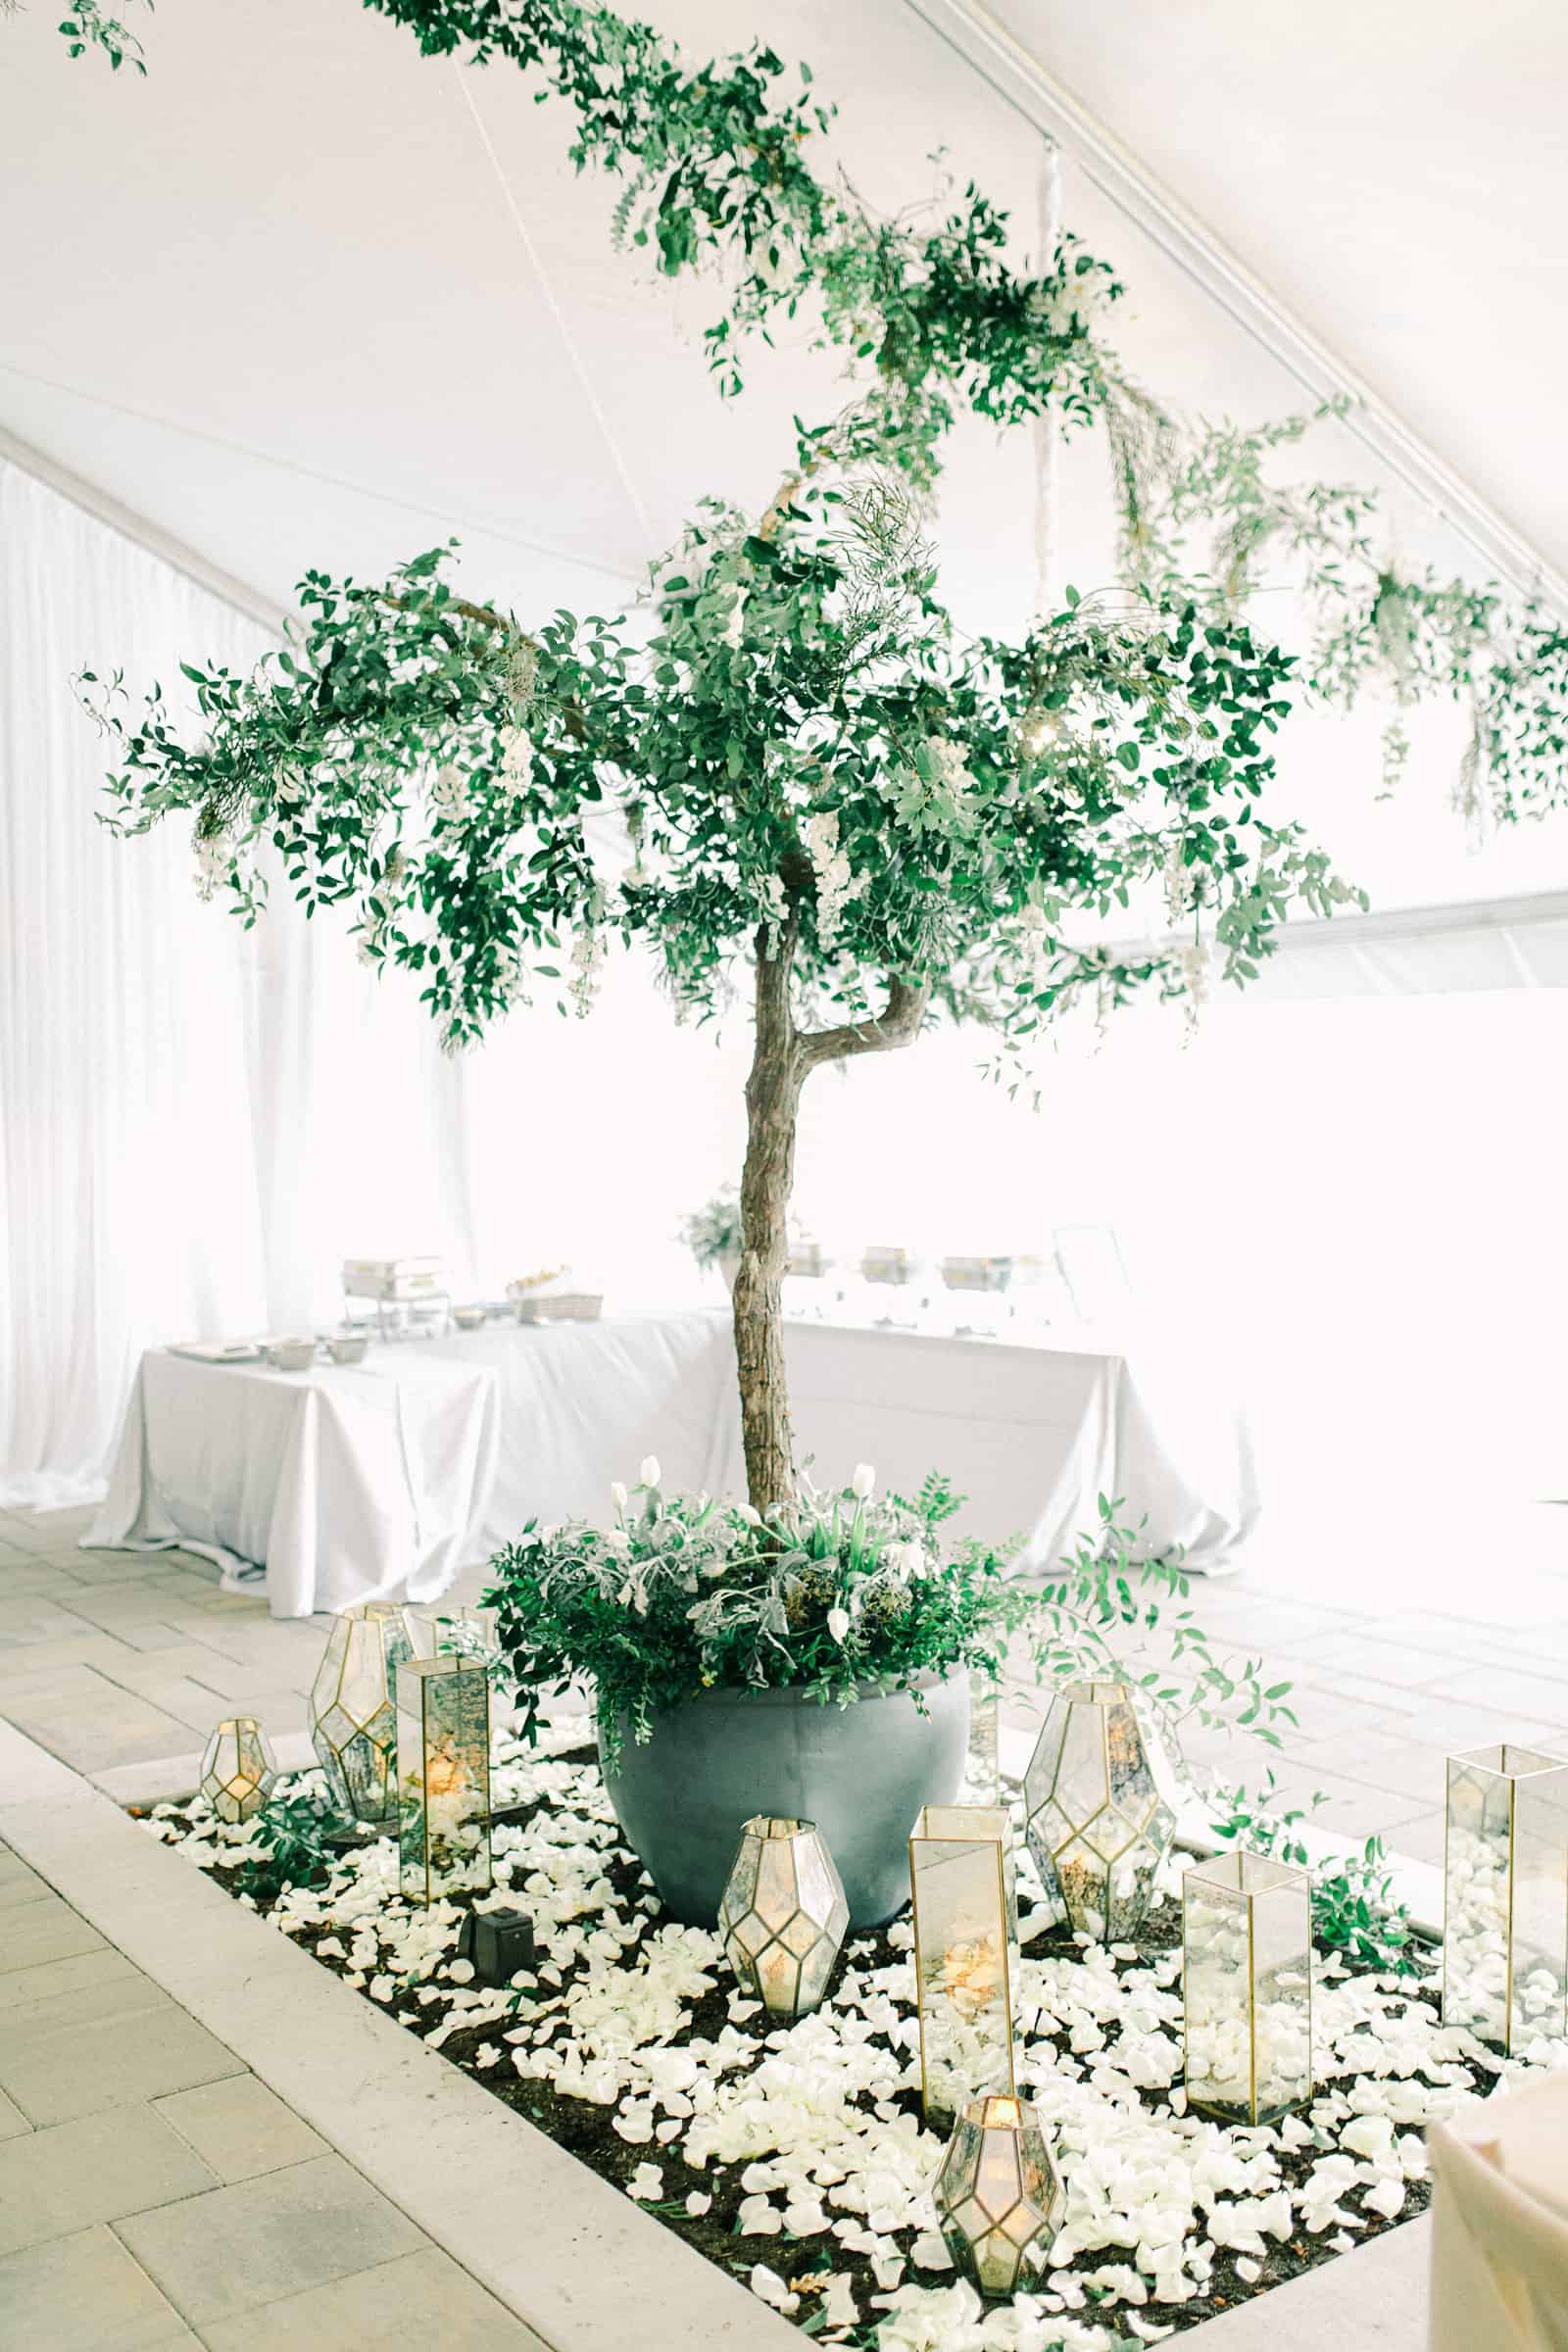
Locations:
{"points": [[1406, 1637], [153, 2192]]}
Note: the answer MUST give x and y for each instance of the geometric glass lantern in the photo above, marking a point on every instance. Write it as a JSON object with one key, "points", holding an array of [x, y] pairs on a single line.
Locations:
{"points": [[999, 2202], [965, 1954], [1100, 1798], [238, 1768], [1247, 1987], [443, 1710], [353, 1723], [1505, 1895], [783, 1914]]}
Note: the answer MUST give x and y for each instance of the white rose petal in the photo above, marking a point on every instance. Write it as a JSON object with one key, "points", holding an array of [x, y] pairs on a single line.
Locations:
{"points": [[769, 2287]]}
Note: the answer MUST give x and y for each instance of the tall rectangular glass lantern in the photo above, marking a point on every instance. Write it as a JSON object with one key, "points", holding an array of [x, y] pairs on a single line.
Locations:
{"points": [[965, 1953], [1247, 1987], [1505, 1895], [443, 1708]]}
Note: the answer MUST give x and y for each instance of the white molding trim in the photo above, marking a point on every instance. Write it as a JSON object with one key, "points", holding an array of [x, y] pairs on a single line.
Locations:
{"points": [[1018, 75], [142, 533]]}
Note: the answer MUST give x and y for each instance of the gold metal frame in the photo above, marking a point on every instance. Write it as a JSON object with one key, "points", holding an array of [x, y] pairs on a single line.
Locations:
{"points": [[461, 1688], [1494, 1759], [998, 1838], [769, 1949], [1247, 1897], [1148, 1827]]}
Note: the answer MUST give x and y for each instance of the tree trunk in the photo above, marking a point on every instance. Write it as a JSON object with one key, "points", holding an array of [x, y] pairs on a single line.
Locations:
{"points": [[772, 1102], [783, 1060]]}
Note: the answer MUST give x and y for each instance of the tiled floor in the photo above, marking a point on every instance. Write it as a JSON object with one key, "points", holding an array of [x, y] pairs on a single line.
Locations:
{"points": [[1405, 1636], [154, 2193]]}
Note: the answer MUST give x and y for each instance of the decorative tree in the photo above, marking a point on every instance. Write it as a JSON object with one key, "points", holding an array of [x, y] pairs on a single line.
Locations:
{"points": [[818, 776]]}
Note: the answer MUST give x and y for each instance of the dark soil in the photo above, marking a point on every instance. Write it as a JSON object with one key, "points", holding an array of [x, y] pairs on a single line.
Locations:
{"points": [[585, 2129]]}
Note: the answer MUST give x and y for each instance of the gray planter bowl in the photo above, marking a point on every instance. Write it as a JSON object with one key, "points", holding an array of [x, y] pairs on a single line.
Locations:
{"points": [[861, 1773]]}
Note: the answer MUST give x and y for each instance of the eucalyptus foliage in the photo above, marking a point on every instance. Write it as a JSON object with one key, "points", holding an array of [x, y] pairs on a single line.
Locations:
{"points": [[835, 1594]]}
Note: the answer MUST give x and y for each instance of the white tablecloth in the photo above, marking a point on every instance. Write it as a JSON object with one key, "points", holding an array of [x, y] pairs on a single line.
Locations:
{"points": [[1500, 2237], [350, 1481], [353, 1482], [1031, 1433]]}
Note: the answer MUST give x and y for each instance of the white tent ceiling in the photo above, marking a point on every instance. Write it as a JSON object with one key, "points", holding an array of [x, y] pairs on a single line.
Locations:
{"points": [[277, 298]]}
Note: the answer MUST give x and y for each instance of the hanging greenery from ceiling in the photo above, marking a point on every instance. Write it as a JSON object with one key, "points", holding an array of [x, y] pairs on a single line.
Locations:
{"points": [[714, 167], [717, 169]]}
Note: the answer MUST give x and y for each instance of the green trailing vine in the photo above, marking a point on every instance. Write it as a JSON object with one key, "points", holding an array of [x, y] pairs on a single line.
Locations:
{"points": [[1353, 1906], [715, 166], [85, 26], [1200, 507]]}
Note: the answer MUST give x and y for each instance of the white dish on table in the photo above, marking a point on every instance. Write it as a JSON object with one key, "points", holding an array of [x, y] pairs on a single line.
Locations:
{"points": [[347, 1347], [217, 1351], [291, 1354]]}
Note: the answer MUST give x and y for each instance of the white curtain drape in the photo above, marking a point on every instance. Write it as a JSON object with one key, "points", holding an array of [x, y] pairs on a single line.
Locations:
{"points": [[196, 1123], [127, 1171]]}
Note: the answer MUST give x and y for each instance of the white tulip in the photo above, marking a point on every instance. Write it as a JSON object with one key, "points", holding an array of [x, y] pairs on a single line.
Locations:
{"points": [[753, 1518], [649, 1473], [838, 1624], [864, 1481], [617, 1495]]}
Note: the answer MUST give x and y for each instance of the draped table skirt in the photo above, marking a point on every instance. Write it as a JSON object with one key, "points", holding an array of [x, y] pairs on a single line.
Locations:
{"points": [[347, 1483]]}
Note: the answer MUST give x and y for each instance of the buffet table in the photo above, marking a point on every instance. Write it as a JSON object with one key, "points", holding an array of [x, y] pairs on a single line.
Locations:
{"points": [[349, 1482], [1031, 1431], [352, 1482]]}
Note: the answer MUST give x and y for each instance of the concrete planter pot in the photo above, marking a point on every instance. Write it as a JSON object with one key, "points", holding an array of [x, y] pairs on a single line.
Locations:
{"points": [[861, 1773]]}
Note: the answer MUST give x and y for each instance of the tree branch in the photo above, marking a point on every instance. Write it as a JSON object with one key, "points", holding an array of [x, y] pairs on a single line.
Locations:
{"points": [[897, 1025], [461, 606]]}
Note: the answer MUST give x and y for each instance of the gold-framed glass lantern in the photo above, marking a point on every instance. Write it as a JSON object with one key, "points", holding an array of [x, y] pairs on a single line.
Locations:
{"points": [[443, 1718], [353, 1713], [1247, 1987], [965, 1953], [999, 2200], [239, 1770], [783, 1914], [1505, 1894], [1101, 1799]]}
